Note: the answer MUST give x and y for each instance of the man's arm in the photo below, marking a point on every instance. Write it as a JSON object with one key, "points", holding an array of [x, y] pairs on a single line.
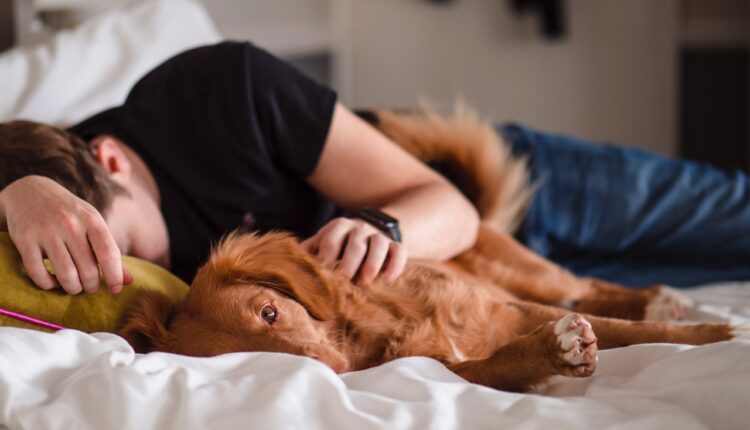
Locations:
{"points": [[360, 167]]}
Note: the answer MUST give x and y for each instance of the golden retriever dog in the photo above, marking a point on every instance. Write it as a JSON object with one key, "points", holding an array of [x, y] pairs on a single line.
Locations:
{"points": [[497, 315]]}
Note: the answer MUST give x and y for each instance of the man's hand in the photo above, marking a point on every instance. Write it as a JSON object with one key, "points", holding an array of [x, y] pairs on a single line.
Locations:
{"points": [[46, 220], [361, 247]]}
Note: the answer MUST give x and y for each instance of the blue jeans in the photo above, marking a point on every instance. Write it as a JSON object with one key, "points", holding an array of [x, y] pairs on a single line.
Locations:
{"points": [[633, 217]]}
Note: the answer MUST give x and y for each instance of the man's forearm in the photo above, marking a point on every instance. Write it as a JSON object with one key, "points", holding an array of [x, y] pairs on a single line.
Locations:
{"points": [[436, 222]]}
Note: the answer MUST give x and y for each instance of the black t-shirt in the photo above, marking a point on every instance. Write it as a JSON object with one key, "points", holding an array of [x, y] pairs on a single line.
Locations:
{"points": [[229, 133]]}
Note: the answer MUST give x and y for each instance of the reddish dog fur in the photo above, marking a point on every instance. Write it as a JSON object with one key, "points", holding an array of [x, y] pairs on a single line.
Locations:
{"points": [[498, 314]]}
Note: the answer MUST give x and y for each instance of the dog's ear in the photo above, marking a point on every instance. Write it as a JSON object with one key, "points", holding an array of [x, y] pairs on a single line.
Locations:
{"points": [[274, 260], [145, 326], [304, 283]]}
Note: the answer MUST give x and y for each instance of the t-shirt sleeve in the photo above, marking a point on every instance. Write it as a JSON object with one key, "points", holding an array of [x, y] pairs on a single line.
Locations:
{"points": [[293, 111]]}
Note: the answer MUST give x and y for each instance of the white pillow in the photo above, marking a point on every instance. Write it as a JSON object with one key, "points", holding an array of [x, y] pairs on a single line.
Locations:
{"points": [[82, 71]]}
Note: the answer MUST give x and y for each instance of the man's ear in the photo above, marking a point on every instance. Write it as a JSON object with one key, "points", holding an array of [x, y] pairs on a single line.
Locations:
{"points": [[111, 156], [145, 327]]}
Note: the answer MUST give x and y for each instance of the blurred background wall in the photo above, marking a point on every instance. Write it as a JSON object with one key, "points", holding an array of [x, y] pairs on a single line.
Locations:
{"points": [[667, 75], [611, 75]]}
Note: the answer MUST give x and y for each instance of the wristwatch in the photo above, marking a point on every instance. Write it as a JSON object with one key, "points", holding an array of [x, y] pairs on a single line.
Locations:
{"points": [[384, 222]]}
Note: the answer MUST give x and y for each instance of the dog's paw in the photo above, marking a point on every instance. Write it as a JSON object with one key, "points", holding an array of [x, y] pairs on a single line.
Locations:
{"points": [[577, 340], [668, 304], [741, 332]]}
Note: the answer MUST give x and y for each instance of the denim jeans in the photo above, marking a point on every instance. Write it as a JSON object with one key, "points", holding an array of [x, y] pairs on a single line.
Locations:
{"points": [[630, 216]]}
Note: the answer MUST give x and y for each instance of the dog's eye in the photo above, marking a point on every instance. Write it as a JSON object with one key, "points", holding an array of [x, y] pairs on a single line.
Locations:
{"points": [[268, 313]]}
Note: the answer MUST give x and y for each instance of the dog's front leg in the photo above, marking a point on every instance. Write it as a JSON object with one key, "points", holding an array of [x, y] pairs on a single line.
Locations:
{"points": [[502, 260], [564, 347], [657, 303]]}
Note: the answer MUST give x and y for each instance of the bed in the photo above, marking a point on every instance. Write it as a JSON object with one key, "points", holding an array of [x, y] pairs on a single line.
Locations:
{"points": [[71, 379]]}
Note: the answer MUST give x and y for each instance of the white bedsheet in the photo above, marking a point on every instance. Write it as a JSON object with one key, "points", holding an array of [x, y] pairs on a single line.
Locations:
{"points": [[71, 380]]}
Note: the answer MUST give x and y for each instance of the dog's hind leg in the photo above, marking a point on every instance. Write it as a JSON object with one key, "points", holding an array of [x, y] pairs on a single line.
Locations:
{"points": [[565, 347], [502, 260], [613, 332]]}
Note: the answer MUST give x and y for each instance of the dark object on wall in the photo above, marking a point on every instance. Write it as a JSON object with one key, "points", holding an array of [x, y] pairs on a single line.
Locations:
{"points": [[714, 106], [441, 1], [7, 25], [551, 14], [15, 22]]}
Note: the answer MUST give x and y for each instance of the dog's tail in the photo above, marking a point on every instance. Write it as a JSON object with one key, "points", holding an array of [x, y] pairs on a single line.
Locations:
{"points": [[470, 153]]}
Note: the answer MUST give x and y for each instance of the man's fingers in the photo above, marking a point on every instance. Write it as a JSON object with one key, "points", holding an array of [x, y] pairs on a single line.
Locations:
{"points": [[354, 253], [332, 240], [83, 259], [65, 270], [377, 251], [396, 261], [33, 262], [311, 244], [127, 278], [108, 256], [358, 248]]}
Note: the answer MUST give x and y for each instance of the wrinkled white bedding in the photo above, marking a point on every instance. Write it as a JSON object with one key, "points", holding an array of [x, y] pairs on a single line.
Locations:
{"points": [[74, 380]]}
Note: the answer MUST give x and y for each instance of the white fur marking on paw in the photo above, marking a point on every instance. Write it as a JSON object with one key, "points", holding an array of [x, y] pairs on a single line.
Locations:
{"points": [[574, 356], [669, 304], [741, 332], [569, 338]]}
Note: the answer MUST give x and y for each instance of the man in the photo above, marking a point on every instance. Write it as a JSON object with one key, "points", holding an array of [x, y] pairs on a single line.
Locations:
{"points": [[227, 136], [217, 138]]}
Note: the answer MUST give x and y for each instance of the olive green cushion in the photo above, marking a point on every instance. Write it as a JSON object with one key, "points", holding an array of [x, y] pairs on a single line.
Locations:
{"points": [[96, 312]]}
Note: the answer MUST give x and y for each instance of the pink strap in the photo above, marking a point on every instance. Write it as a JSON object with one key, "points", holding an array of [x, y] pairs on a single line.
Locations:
{"points": [[31, 320]]}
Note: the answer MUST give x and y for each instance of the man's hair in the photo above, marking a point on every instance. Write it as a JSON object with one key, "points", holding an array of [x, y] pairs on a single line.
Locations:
{"points": [[30, 148]]}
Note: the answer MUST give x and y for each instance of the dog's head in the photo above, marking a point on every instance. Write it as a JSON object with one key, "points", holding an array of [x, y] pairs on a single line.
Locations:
{"points": [[255, 293]]}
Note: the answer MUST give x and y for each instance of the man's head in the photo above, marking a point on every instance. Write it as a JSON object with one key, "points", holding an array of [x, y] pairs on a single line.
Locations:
{"points": [[30, 148], [103, 172]]}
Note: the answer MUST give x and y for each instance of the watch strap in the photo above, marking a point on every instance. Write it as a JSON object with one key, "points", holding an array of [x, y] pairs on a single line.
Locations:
{"points": [[382, 221]]}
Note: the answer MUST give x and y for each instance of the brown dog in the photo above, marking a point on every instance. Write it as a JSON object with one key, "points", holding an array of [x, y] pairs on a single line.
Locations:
{"points": [[494, 314]]}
